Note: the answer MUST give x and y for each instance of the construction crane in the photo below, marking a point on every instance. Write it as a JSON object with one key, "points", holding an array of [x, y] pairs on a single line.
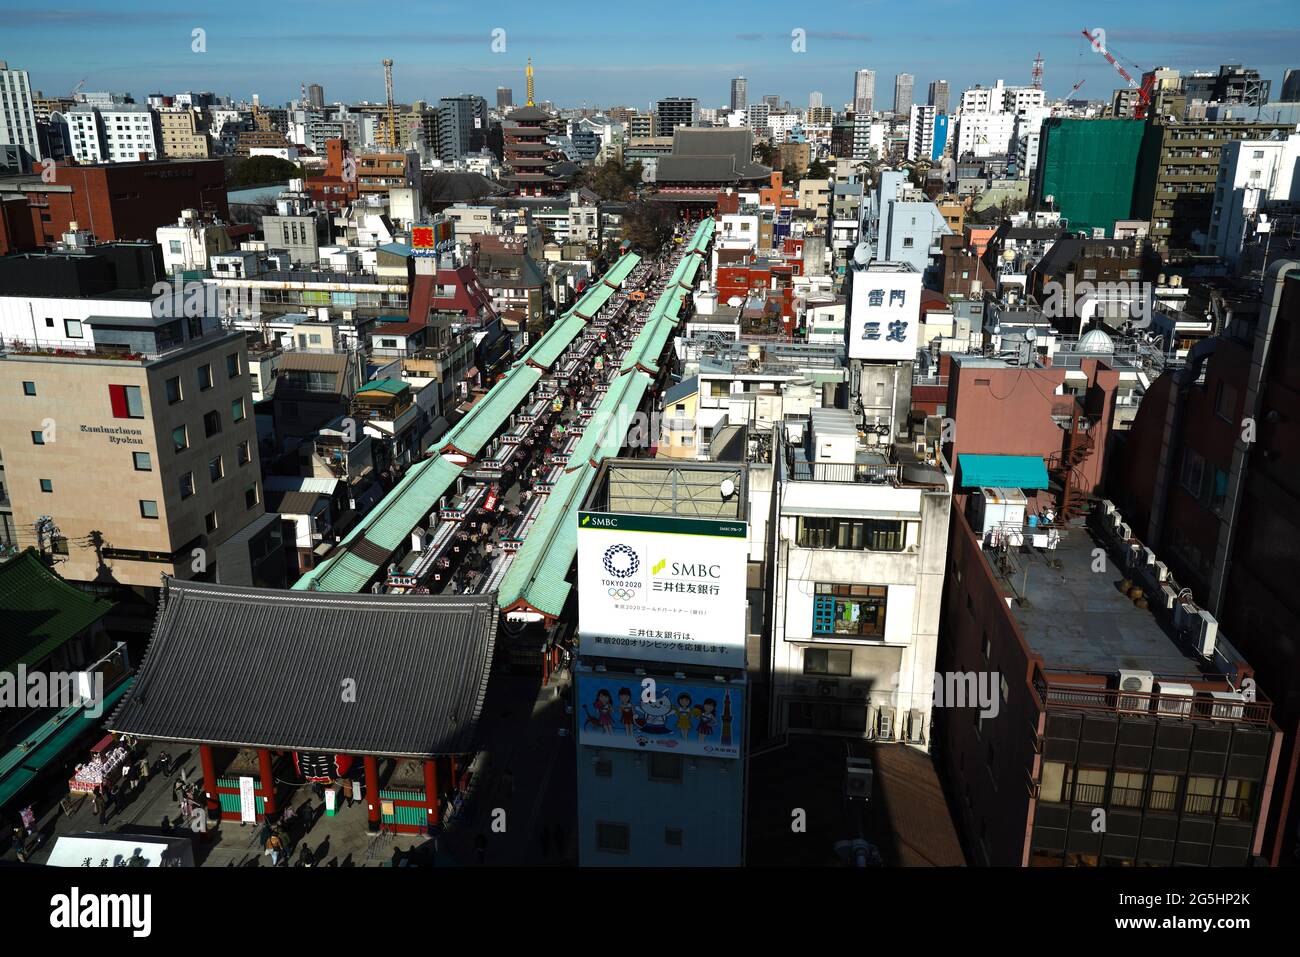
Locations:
{"points": [[388, 90], [1098, 43], [77, 89], [1074, 89]]}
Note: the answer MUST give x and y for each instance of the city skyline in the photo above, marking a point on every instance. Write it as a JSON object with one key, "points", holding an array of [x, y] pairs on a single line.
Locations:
{"points": [[142, 46]]}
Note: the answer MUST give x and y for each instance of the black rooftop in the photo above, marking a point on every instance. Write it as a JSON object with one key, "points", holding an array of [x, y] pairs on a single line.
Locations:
{"points": [[250, 667]]}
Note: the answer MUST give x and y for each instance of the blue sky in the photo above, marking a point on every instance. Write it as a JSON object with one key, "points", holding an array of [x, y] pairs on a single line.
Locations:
{"points": [[610, 53]]}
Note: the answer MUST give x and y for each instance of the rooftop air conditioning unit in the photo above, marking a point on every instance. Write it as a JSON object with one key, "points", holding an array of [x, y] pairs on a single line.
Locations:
{"points": [[1124, 532], [885, 724], [858, 776], [915, 727], [828, 689], [1206, 633], [1139, 682], [802, 687], [1174, 699], [1162, 572], [1227, 705]]}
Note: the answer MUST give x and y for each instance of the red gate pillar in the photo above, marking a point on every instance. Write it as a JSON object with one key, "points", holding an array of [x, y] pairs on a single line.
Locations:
{"points": [[373, 806], [431, 791], [268, 780], [210, 781]]}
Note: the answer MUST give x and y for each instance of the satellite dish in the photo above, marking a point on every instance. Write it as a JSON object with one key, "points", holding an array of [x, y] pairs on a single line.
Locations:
{"points": [[1030, 334], [727, 488]]}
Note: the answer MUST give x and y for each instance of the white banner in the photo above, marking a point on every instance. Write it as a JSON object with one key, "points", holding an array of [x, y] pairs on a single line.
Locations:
{"points": [[247, 800]]}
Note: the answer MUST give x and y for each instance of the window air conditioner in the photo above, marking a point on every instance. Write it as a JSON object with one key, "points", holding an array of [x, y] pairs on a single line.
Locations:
{"points": [[1227, 705], [885, 724], [1140, 682], [1174, 699]]}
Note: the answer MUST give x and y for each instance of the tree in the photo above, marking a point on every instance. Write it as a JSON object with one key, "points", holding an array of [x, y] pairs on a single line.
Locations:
{"points": [[611, 180], [818, 170], [262, 170], [647, 225], [789, 174], [765, 153]]}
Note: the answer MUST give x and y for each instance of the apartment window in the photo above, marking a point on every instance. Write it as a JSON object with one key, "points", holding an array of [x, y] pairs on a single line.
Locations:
{"points": [[1127, 789], [127, 401], [1193, 473], [242, 456], [718, 390], [1163, 795], [232, 365], [250, 496], [47, 485], [142, 461], [29, 388], [1052, 788], [211, 423], [852, 610], [173, 387], [180, 438], [1202, 795], [907, 242], [831, 662], [148, 508], [205, 377], [1225, 401], [613, 837], [846, 533], [210, 522], [1086, 785], [666, 768], [38, 437], [187, 485], [216, 469], [1238, 800], [237, 410], [673, 836]]}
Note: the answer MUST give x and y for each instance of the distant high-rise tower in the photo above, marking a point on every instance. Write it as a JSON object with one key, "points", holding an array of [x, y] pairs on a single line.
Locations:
{"points": [[674, 111], [529, 74], [316, 96], [18, 120], [505, 97], [939, 96], [864, 91], [739, 93], [814, 100], [1036, 76], [903, 92]]}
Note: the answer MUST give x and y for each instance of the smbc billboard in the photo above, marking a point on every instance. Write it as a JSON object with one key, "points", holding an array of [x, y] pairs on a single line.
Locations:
{"points": [[661, 588]]}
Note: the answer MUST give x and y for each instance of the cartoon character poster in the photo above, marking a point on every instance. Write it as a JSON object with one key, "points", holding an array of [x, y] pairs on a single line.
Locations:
{"points": [[642, 714]]}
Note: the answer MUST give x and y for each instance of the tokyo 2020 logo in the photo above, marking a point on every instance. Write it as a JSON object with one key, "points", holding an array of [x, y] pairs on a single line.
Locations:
{"points": [[621, 561]]}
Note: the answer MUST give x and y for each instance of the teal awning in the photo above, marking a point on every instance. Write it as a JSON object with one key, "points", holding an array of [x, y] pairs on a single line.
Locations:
{"points": [[1002, 471]]}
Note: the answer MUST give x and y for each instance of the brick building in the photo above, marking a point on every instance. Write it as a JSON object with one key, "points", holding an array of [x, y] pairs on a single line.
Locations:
{"points": [[113, 201]]}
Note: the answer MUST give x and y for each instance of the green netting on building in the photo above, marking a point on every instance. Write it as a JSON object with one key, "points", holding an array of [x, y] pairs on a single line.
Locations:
{"points": [[1089, 168]]}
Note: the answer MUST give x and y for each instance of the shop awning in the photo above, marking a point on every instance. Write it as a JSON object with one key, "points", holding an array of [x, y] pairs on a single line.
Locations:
{"points": [[1002, 471]]}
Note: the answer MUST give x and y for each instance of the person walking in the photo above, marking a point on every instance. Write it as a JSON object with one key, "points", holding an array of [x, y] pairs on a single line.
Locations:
{"points": [[95, 801], [347, 791], [165, 764], [274, 847], [144, 771]]}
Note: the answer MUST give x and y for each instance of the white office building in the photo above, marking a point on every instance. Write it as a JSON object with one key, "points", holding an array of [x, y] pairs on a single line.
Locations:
{"points": [[17, 118], [118, 133], [1252, 174]]}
